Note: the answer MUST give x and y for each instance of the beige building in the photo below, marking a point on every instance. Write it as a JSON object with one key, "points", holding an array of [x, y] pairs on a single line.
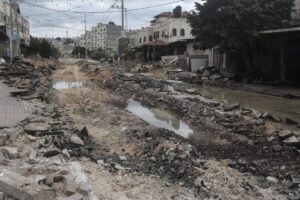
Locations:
{"points": [[101, 36]]}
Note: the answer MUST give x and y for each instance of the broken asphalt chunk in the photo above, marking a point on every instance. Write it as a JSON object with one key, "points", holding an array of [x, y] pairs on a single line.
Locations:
{"points": [[35, 128]]}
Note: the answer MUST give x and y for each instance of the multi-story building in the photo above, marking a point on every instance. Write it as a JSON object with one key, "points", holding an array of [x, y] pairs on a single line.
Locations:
{"points": [[169, 32], [169, 37], [101, 36], [166, 28], [21, 31]]}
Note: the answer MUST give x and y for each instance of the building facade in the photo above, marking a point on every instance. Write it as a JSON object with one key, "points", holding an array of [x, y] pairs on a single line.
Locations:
{"points": [[166, 28], [21, 29], [101, 36], [169, 37]]}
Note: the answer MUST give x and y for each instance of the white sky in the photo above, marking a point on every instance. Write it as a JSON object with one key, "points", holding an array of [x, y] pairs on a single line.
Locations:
{"points": [[53, 24]]}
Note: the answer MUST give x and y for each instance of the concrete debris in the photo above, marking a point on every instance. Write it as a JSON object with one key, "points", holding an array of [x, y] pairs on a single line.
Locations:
{"points": [[285, 134], [66, 154], [32, 156], [277, 148], [36, 128], [76, 140], [9, 152], [84, 188], [291, 140], [70, 187], [272, 179], [290, 121], [3, 139], [50, 140]]}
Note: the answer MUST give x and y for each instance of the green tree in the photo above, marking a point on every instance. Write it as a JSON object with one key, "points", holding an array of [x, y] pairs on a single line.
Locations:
{"points": [[34, 46], [45, 49], [235, 24], [55, 52], [78, 51]]}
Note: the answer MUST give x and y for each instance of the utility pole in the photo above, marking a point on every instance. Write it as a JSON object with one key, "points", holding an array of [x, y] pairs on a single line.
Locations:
{"points": [[85, 36], [122, 7], [11, 31], [18, 38]]}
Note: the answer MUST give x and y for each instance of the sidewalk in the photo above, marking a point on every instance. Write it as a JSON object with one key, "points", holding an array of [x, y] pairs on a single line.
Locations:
{"points": [[11, 110]]}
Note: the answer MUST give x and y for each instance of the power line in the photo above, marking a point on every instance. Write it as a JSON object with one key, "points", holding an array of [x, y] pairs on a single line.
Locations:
{"points": [[100, 12]]}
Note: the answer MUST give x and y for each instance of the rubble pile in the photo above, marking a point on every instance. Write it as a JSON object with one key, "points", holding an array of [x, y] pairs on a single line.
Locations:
{"points": [[27, 78], [161, 153], [272, 154], [38, 156], [48, 134], [214, 74], [211, 75]]}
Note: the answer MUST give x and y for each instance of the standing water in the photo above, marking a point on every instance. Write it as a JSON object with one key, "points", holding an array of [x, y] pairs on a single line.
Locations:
{"points": [[277, 106], [159, 118], [63, 85]]}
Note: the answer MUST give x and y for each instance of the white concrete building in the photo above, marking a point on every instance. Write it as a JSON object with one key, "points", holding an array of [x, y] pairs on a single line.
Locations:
{"points": [[101, 36], [165, 28]]}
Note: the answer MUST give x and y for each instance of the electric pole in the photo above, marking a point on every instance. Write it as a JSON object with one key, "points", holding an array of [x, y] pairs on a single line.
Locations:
{"points": [[122, 7], [85, 36], [11, 31]]}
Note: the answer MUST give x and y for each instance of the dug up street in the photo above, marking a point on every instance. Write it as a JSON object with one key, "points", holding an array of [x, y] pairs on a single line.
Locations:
{"points": [[89, 123]]}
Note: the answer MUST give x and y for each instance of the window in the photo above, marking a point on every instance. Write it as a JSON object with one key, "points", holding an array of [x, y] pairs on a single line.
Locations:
{"points": [[140, 40], [145, 39], [182, 32], [163, 34], [174, 31], [156, 35], [150, 38]]}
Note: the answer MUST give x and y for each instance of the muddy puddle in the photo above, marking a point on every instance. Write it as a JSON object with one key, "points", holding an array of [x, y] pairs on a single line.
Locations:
{"points": [[264, 103], [65, 85], [159, 118]]}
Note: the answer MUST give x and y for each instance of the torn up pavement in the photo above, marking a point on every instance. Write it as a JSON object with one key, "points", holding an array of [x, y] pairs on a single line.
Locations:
{"points": [[102, 132]]}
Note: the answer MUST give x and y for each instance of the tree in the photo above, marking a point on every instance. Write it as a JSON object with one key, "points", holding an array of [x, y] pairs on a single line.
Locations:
{"points": [[78, 51], [34, 46], [55, 52], [45, 49], [235, 24]]}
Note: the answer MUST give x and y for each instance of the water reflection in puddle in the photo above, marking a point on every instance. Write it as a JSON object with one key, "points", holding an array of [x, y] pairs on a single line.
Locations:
{"points": [[277, 106], [159, 118], [63, 85]]}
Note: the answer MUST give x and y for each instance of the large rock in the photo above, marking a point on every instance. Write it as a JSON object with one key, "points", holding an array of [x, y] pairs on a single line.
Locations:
{"points": [[10, 152], [76, 140], [3, 139], [291, 121], [230, 107], [34, 128], [291, 140], [285, 134], [70, 187], [45, 195], [12, 183]]}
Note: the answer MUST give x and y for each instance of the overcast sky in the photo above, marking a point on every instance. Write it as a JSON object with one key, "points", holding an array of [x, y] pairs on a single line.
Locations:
{"points": [[53, 24]]}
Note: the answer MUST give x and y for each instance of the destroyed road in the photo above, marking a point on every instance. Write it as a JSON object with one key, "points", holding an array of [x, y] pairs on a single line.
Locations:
{"points": [[88, 136]]}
